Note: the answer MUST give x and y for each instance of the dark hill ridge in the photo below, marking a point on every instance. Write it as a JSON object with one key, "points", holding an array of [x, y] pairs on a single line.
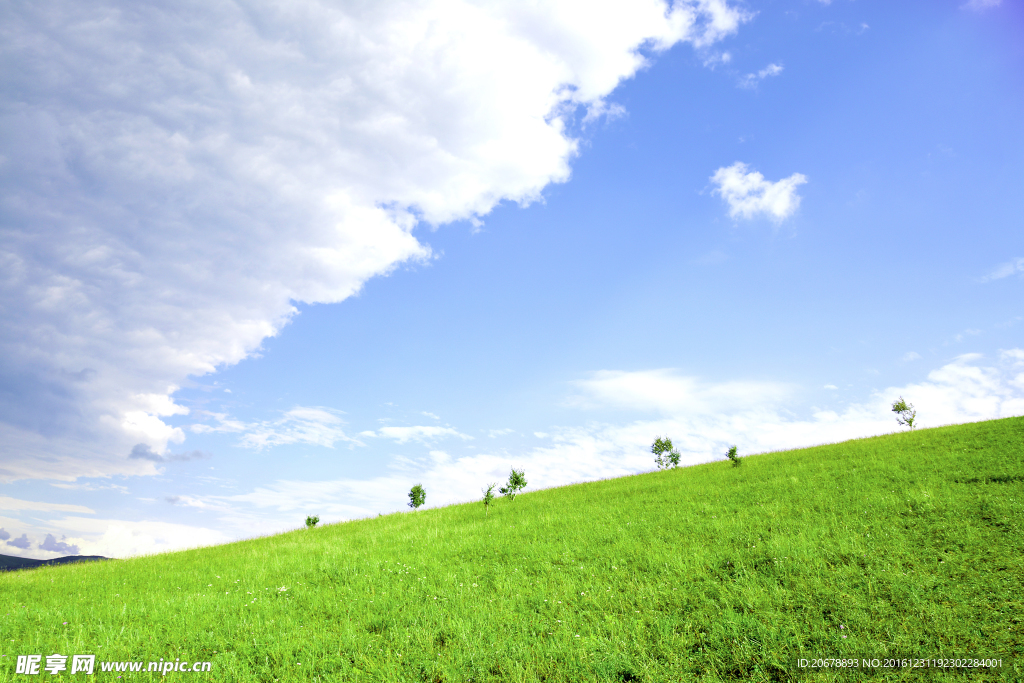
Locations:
{"points": [[10, 563]]}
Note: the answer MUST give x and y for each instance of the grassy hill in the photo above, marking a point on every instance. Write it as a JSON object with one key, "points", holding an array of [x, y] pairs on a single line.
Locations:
{"points": [[909, 545]]}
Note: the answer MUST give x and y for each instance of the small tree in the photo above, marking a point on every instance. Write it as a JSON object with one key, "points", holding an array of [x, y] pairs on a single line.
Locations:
{"points": [[311, 521], [665, 456], [905, 413], [516, 482], [733, 457], [417, 496], [488, 497]]}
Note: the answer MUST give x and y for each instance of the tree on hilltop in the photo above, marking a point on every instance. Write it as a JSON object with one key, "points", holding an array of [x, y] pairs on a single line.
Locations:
{"points": [[665, 455], [905, 413], [516, 482], [417, 496]]}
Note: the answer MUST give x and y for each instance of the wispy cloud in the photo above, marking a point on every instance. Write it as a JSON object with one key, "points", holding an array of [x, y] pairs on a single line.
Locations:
{"points": [[196, 502], [911, 356], [717, 59], [978, 5], [315, 426], [1012, 267], [423, 433], [959, 337], [142, 451], [749, 195], [751, 80], [666, 391], [7, 503], [89, 486]]}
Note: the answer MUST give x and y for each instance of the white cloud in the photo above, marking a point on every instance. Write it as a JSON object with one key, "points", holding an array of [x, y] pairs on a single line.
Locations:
{"points": [[422, 434], [666, 392], [751, 80], [1014, 356], [317, 427], [124, 538], [749, 195], [175, 177], [831, 387], [314, 426], [495, 433], [960, 391], [717, 59], [1012, 267], [7, 503], [911, 356]]}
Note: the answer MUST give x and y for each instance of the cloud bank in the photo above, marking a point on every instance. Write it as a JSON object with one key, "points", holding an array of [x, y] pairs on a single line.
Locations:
{"points": [[175, 177], [703, 419]]}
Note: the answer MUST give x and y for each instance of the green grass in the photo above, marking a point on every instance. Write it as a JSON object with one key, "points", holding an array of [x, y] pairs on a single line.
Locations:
{"points": [[910, 545]]}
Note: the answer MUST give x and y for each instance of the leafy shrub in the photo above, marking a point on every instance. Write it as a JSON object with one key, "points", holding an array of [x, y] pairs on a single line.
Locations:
{"points": [[417, 496], [312, 521], [488, 497], [516, 482], [665, 456], [733, 457], [905, 413]]}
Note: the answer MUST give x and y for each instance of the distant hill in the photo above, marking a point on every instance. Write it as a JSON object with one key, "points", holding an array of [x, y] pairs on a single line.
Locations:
{"points": [[10, 563]]}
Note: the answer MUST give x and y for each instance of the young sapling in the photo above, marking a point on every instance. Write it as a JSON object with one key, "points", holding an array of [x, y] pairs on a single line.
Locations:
{"points": [[516, 482], [733, 457], [665, 455], [488, 498], [417, 496], [905, 413]]}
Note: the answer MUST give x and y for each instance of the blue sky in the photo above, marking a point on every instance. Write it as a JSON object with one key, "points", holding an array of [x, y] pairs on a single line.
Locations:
{"points": [[279, 263]]}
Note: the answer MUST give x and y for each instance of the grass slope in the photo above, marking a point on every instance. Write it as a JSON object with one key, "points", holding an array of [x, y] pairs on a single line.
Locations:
{"points": [[909, 545]]}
